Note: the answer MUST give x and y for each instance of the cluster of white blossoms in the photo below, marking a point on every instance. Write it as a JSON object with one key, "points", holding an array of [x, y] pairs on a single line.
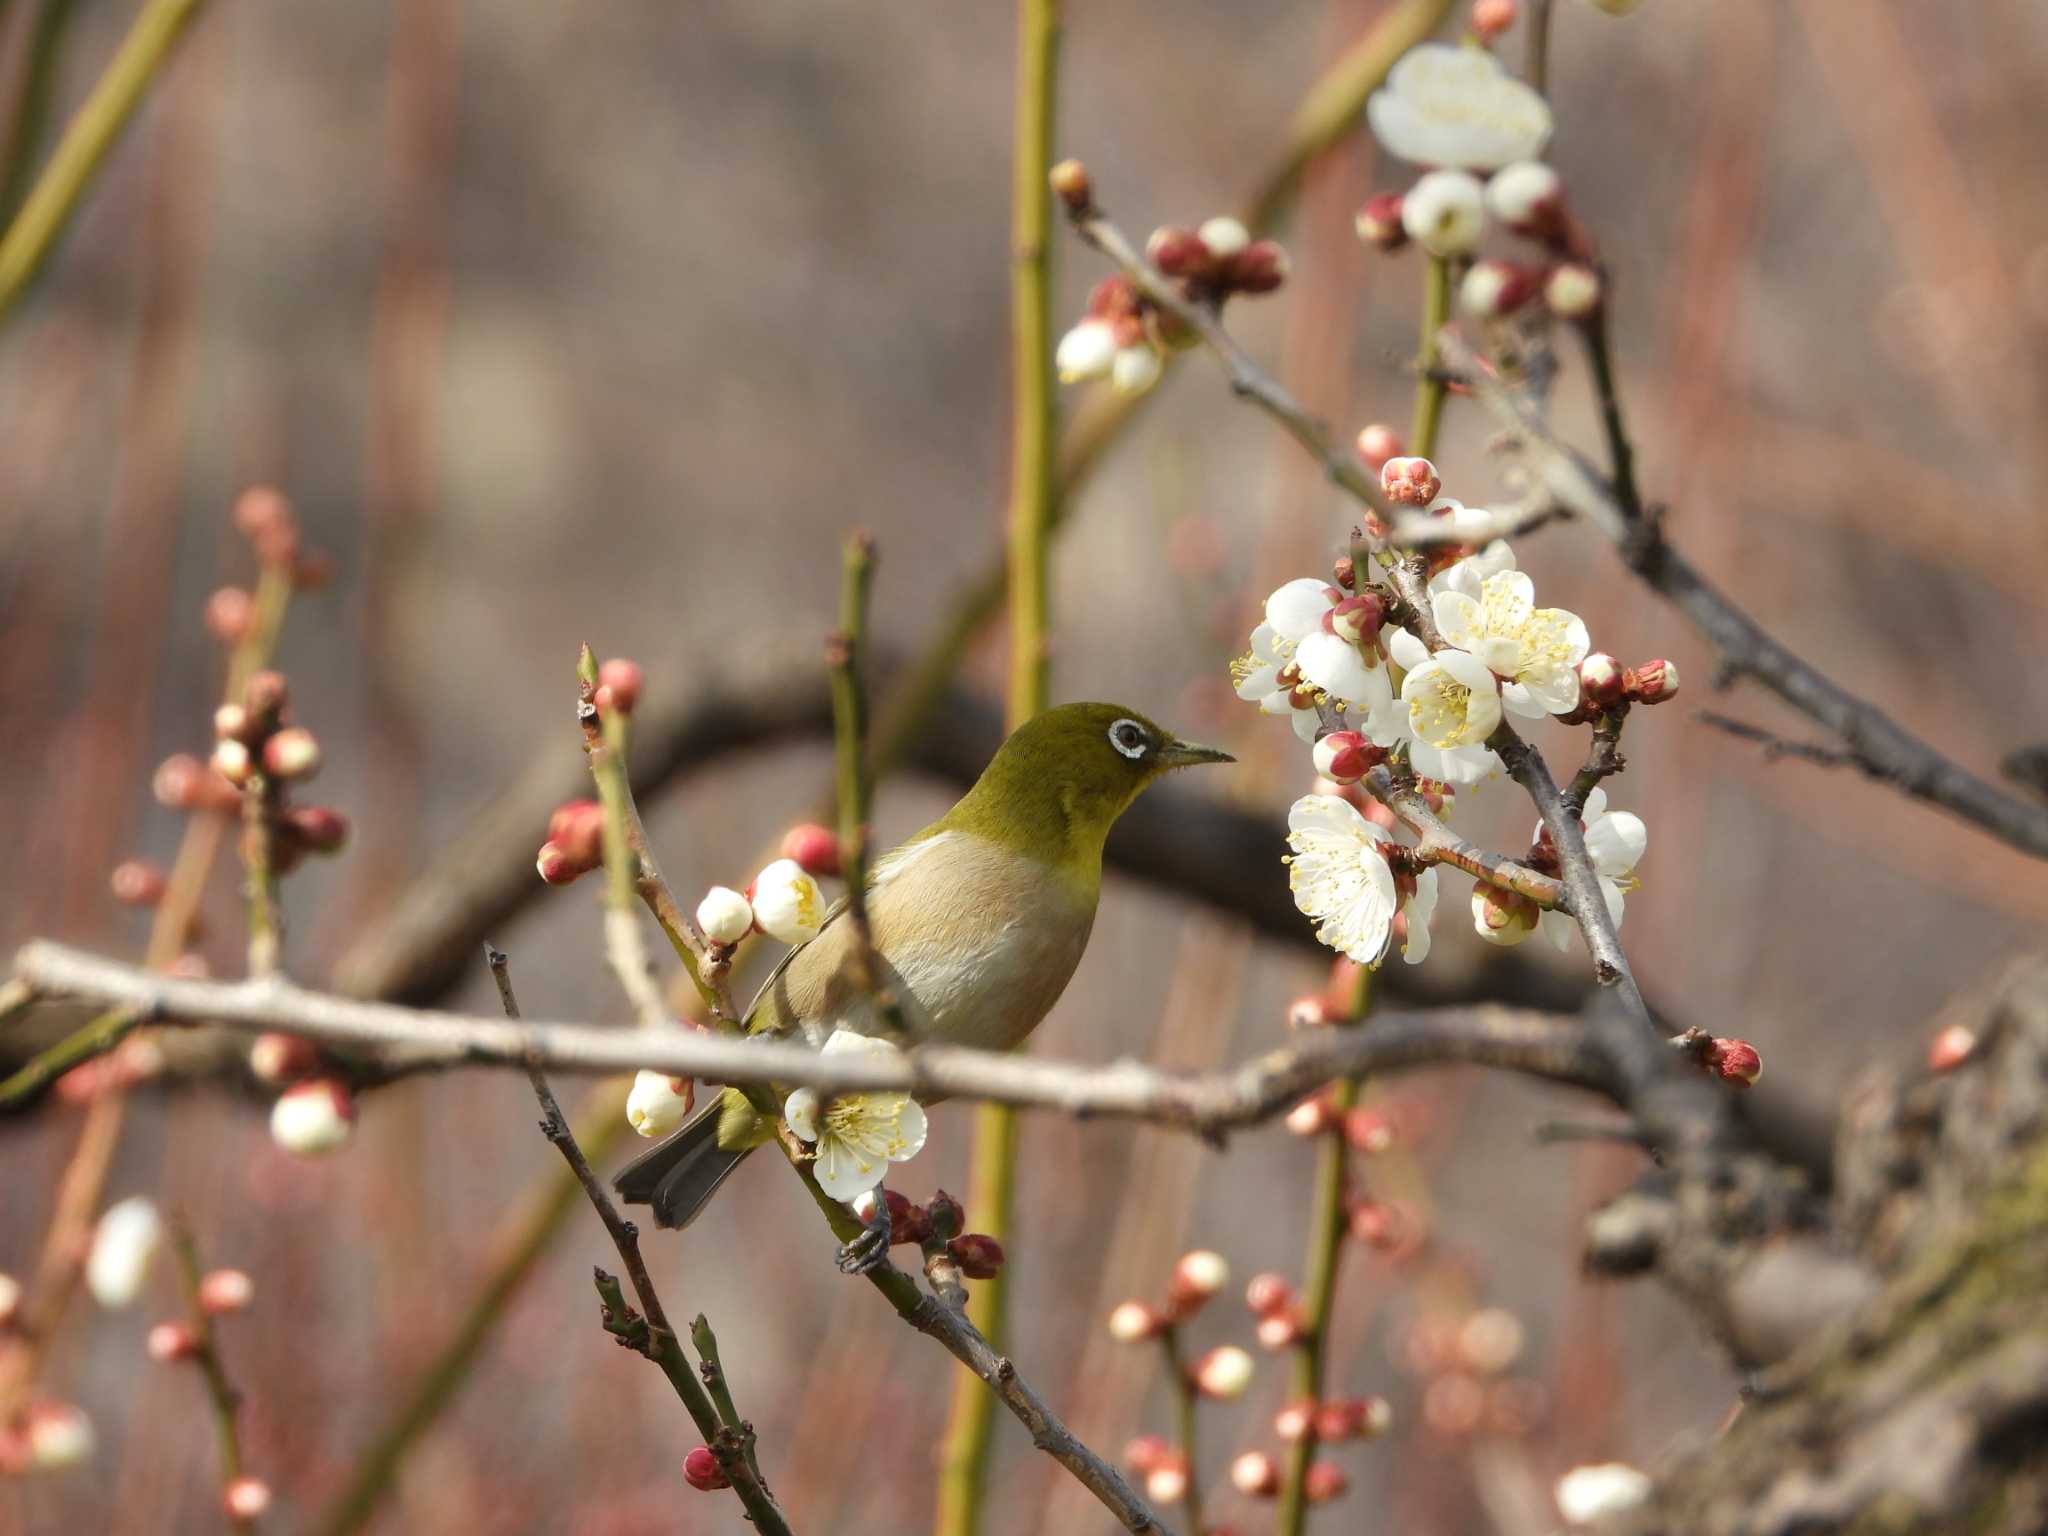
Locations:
{"points": [[1365, 690]]}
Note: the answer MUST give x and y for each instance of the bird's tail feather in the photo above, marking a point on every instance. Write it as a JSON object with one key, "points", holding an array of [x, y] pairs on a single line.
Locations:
{"points": [[679, 1176]]}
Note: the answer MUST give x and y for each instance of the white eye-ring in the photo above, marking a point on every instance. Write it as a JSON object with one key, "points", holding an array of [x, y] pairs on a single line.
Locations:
{"points": [[1128, 737]]}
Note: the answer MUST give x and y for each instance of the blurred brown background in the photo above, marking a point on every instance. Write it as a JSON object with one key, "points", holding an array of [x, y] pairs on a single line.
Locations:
{"points": [[605, 324]]}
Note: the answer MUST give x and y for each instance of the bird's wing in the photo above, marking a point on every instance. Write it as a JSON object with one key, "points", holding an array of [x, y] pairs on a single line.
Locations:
{"points": [[768, 983]]}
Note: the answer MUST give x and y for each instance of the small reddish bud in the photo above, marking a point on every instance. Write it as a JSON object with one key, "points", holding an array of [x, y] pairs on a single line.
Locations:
{"points": [[979, 1256], [1602, 679], [1410, 482], [279, 1058], [1374, 1224], [292, 753], [1224, 1372], [232, 761], [947, 1218], [222, 1291], [1197, 1276], [1279, 1330], [1950, 1048], [702, 1471], [1378, 443], [314, 569], [1072, 186], [171, 1341], [1142, 1453], [1345, 757], [1296, 1420], [908, 1222], [246, 1498], [1493, 288], [1312, 1116], [1376, 1417], [618, 686], [1255, 1475], [265, 696], [1268, 1293], [1177, 252], [814, 847], [10, 1300], [1308, 1011], [1379, 224], [1326, 1482], [1338, 1419], [231, 723], [577, 828], [137, 883], [1653, 682], [1735, 1061], [316, 828], [1260, 267], [229, 613], [1368, 1131], [556, 867], [1358, 619], [261, 511], [1344, 571], [1490, 18], [1131, 1322], [1528, 197]]}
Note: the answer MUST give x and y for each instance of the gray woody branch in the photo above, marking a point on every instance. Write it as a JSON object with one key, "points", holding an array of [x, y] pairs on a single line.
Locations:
{"points": [[1542, 1045]]}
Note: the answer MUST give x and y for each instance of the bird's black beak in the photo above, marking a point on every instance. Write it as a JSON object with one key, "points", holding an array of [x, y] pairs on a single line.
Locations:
{"points": [[1184, 754]]}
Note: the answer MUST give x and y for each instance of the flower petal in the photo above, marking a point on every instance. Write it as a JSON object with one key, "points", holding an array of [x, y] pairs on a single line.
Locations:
{"points": [[1616, 842], [1296, 610], [1420, 908], [1462, 620], [800, 1114], [1407, 651], [846, 1172], [1550, 690]]}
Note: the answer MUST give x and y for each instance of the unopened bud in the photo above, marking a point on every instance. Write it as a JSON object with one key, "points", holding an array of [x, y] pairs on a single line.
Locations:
{"points": [[1368, 1131], [1735, 1061], [947, 1217], [1590, 1493], [555, 865], [787, 902], [1490, 1340], [1312, 1116], [1132, 1321], [1135, 368], [246, 1498], [265, 696], [261, 511], [577, 828], [1376, 1417], [979, 1256], [1279, 1329], [225, 1290], [702, 1471], [1072, 186], [1344, 571], [1493, 289], [125, 1241], [1296, 1420], [659, 1103], [1358, 619], [1224, 236], [1326, 1482], [1572, 291], [1260, 267], [1378, 443], [1224, 1372], [311, 1119], [1410, 482], [1345, 757], [231, 721], [1088, 351], [1197, 1276], [279, 1058], [1527, 196], [1653, 682], [314, 569], [229, 613], [1374, 1224], [908, 1222], [1177, 252], [1602, 679], [231, 760], [1143, 1453], [1490, 18], [725, 915], [316, 828], [1502, 917], [293, 753], [816, 848], [171, 1341], [1268, 1293], [59, 1436], [618, 686], [1255, 1475], [137, 883], [1950, 1048], [1379, 224], [1167, 1483]]}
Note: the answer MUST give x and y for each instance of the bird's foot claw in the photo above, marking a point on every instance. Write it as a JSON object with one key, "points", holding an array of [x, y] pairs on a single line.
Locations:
{"points": [[868, 1252]]}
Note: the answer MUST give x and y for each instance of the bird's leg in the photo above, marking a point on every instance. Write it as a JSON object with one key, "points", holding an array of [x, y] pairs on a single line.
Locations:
{"points": [[871, 1249]]}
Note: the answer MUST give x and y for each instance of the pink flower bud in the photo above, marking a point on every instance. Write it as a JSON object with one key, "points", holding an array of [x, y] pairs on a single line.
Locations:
{"points": [[246, 1498], [1224, 1372], [278, 1058], [1224, 237], [1374, 1224], [1268, 1293], [171, 1341], [10, 1300], [1653, 682], [1312, 1116], [313, 1118], [577, 828], [231, 721], [293, 753], [1071, 185], [1326, 1482], [1296, 1420], [1379, 224], [1368, 1131], [908, 1222], [261, 511], [1950, 1048], [1494, 288], [1133, 1321], [1338, 1419], [1378, 443], [979, 1256], [1177, 252], [316, 828], [1142, 1453], [702, 1471], [1528, 197], [1735, 1061], [1197, 1276], [314, 569], [618, 686], [725, 915], [556, 867], [1502, 917], [1490, 18], [1376, 1417], [946, 1215], [1255, 1475], [1358, 619], [1410, 482], [1260, 267], [59, 1435], [814, 847], [229, 613], [1573, 290], [1279, 1329], [1345, 757], [222, 1291], [1167, 1483], [1602, 679], [231, 760], [265, 696], [137, 883]]}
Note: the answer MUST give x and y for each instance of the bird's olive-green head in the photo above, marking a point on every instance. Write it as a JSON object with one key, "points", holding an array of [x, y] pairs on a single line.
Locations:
{"points": [[1059, 783]]}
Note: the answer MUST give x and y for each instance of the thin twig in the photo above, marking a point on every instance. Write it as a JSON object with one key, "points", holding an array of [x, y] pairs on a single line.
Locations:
{"points": [[222, 1399], [1436, 843], [1544, 1045], [89, 1041], [1186, 1399], [845, 650], [1603, 757], [1776, 746]]}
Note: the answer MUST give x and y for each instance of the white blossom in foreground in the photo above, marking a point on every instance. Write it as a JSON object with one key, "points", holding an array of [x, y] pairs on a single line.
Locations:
{"points": [[787, 902], [659, 1103], [857, 1135], [1535, 651], [1615, 842], [1292, 648], [1452, 704], [1339, 877], [1452, 106], [1418, 906], [725, 915], [1086, 352], [123, 1244], [1585, 1494], [1445, 213]]}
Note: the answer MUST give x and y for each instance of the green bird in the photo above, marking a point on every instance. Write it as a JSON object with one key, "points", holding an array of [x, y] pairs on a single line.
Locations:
{"points": [[978, 923]]}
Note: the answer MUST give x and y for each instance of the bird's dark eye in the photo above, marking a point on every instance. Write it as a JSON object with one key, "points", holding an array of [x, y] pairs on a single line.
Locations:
{"points": [[1128, 737]]}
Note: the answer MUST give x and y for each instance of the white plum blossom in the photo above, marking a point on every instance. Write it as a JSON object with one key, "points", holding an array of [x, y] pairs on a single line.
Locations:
{"points": [[1518, 194], [1445, 213], [659, 1103], [1469, 574], [1339, 877], [724, 915], [787, 902], [1135, 368], [124, 1242], [1418, 907], [1452, 705], [1586, 1494], [1293, 637], [1534, 651], [857, 1135], [1615, 842], [313, 1118], [1086, 352], [1447, 105]]}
